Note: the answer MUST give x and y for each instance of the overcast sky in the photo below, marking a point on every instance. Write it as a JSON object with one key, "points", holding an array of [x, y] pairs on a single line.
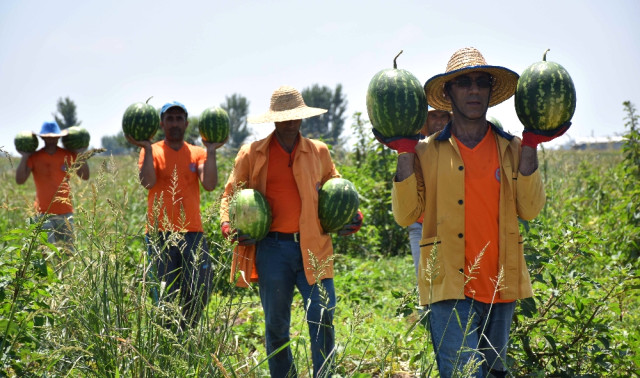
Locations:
{"points": [[105, 55]]}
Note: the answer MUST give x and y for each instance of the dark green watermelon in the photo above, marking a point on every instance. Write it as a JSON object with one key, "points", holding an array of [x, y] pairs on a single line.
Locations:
{"points": [[26, 141], [396, 103], [140, 121], [214, 125], [338, 202], [545, 96], [77, 138], [250, 214]]}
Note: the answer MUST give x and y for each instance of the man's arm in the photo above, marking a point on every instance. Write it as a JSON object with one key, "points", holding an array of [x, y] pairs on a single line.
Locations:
{"points": [[23, 171], [208, 172], [404, 167], [147, 172], [528, 161]]}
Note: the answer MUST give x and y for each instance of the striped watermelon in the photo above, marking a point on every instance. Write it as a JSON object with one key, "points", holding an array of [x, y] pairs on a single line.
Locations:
{"points": [[396, 103], [250, 214], [76, 139], [338, 202], [214, 125], [545, 96], [141, 121], [26, 141]]}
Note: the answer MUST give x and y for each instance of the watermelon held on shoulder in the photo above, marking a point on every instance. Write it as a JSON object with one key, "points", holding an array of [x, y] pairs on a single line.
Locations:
{"points": [[26, 141], [250, 214], [396, 103], [214, 125], [140, 121], [338, 202], [77, 138], [545, 96]]}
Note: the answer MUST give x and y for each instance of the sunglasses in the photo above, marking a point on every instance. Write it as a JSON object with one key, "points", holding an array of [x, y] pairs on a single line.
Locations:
{"points": [[466, 82]]}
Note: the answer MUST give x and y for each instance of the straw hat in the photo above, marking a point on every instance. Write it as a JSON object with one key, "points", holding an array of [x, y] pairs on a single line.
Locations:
{"points": [[286, 105], [51, 130], [464, 61]]}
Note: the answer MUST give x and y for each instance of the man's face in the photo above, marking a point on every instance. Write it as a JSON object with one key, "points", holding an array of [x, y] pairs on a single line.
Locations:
{"points": [[469, 94], [288, 129], [50, 141], [436, 120], [174, 124]]}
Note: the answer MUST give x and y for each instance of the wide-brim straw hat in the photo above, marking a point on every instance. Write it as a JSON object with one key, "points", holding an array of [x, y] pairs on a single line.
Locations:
{"points": [[464, 61], [286, 104]]}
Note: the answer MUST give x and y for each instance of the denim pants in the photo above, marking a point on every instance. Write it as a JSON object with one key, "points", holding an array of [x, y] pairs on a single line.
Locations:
{"points": [[280, 270], [183, 262], [59, 228], [484, 339], [415, 234]]}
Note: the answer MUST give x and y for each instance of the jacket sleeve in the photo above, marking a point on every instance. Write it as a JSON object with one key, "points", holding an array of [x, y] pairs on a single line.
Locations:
{"points": [[238, 178], [530, 194], [407, 197]]}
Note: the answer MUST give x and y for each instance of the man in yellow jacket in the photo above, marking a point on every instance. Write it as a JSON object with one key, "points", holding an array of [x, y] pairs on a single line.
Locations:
{"points": [[288, 170], [472, 181]]}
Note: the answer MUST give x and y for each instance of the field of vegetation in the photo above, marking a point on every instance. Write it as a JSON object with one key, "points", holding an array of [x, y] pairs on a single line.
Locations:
{"points": [[88, 313]]}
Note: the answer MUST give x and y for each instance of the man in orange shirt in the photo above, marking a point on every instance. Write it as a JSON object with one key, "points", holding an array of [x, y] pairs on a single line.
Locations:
{"points": [[472, 181], [289, 170], [172, 171], [50, 166]]}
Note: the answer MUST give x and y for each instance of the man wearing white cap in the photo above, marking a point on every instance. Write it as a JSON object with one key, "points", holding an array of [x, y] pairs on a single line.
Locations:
{"points": [[49, 166], [172, 171], [472, 181], [288, 169]]}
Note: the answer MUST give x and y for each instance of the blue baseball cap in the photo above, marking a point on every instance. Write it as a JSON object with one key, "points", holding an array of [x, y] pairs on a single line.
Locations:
{"points": [[174, 104], [51, 129]]}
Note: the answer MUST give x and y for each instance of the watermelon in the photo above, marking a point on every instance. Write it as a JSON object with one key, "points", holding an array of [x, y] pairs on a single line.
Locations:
{"points": [[250, 214], [495, 121], [545, 96], [140, 121], [214, 125], [396, 103], [77, 138], [26, 141], [338, 202]]}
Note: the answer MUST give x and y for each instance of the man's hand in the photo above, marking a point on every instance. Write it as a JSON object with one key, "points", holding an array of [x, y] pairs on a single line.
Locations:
{"points": [[210, 146], [139, 143], [399, 144], [532, 138], [235, 235], [353, 226]]}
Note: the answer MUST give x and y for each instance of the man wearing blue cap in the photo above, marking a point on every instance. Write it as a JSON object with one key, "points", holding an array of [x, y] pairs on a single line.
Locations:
{"points": [[50, 166], [172, 171]]}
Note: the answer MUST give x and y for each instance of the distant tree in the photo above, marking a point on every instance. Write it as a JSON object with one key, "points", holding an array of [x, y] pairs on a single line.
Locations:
{"points": [[237, 107], [327, 126], [116, 144], [66, 113]]}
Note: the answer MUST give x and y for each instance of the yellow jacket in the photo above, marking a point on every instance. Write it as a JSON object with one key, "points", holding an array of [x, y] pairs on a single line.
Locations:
{"points": [[437, 189], [312, 167]]}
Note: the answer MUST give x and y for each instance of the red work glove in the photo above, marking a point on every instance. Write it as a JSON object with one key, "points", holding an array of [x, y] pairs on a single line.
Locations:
{"points": [[532, 138], [353, 226], [399, 144], [234, 236]]}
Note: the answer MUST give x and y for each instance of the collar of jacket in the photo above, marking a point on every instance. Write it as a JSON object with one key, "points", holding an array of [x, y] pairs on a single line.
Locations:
{"points": [[445, 134]]}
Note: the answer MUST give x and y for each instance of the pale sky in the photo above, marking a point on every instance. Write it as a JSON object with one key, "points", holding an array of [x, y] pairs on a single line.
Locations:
{"points": [[106, 55]]}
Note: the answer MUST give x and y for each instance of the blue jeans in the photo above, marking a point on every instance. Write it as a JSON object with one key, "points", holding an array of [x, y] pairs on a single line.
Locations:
{"points": [[183, 262], [415, 234], [484, 340], [280, 270]]}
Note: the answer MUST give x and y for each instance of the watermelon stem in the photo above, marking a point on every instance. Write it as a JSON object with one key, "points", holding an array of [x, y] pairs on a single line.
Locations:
{"points": [[395, 65], [146, 102], [544, 57]]}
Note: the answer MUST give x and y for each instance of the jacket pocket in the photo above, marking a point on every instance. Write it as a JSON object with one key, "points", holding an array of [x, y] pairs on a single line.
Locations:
{"points": [[431, 271]]}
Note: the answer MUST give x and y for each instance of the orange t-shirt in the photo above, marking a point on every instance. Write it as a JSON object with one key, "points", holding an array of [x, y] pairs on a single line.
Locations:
{"points": [[482, 206], [282, 190], [180, 210], [52, 183]]}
